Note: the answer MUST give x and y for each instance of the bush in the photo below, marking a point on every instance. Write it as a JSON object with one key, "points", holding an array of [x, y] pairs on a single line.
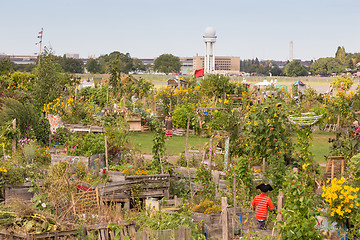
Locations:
{"points": [[181, 114], [87, 145], [62, 135], [42, 156]]}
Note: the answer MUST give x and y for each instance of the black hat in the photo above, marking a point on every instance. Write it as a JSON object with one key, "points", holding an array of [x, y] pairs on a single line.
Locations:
{"points": [[264, 187]]}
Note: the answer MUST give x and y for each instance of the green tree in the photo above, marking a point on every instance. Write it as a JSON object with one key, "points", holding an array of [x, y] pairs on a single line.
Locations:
{"points": [[138, 65], [294, 69], [216, 85], [24, 67], [93, 66], [50, 81], [167, 63], [123, 61], [6, 66], [71, 65], [326, 66], [340, 54], [275, 70]]}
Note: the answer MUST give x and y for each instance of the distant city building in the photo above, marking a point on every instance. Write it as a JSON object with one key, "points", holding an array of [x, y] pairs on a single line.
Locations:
{"points": [[72, 55], [223, 64], [20, 59], [148, 61], [187, 64]]}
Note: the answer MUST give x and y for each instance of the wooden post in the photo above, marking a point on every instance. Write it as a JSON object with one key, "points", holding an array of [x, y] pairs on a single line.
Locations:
{"points": [[210, 154], [234, 189], [176, 203], [332, 169], [342, 166], [154, 106], [106, 155], [224, 219], [127, 205], [14, 140], [132, 231], [338, 122], [280, 205], [4, 151], [182, 233], [200, 123], [145, 235], [263, 166], [187, 138], [144, 102], [234, 213]]}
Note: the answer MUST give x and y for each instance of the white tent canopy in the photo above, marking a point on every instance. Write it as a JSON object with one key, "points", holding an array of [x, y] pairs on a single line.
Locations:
{"points": [[263, 83]]}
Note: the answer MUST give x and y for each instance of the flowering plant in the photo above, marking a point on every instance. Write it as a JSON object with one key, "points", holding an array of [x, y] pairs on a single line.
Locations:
{"points": [[25, 141], [342, 199], [207, 207]]}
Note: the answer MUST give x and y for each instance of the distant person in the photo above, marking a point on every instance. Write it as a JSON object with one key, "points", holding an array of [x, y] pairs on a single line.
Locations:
{"points": [[134, 98], [262, 204], [168, 128], [356, 126], [331, 90]]}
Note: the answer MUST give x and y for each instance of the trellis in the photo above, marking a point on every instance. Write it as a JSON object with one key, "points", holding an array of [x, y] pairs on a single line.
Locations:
{"points": [[306, 119]]}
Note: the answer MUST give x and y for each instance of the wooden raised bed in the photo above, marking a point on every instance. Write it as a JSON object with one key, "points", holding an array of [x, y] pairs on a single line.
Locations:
{"points": [[19, 191], [139, 186]]}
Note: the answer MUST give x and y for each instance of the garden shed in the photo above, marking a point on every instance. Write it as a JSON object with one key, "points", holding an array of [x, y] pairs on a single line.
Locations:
{"points": [[177, 82]]}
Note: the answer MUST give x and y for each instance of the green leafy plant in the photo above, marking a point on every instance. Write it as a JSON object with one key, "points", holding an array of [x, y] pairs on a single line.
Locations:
{"points": [[87, 145], [158, 146], [204, 178], [299, 211]]}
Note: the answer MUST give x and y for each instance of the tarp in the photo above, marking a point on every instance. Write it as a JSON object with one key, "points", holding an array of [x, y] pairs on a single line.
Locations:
{"points": [[299, 83]]}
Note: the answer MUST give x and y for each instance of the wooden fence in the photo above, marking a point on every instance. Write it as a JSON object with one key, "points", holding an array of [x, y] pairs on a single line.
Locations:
{"points": [[99, 231], [181, 233]]}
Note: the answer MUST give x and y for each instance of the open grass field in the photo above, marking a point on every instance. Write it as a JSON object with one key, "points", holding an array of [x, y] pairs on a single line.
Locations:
{"points": [[320, 84], [143, 143]]}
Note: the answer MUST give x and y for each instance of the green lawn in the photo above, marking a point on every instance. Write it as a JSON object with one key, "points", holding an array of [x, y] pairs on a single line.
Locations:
{"points": [[320, 145], [143, 142]]}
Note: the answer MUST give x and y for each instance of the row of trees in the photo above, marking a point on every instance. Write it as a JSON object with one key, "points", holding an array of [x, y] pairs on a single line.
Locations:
{"points": [[342, 62], [165, 63], [168, 63]]}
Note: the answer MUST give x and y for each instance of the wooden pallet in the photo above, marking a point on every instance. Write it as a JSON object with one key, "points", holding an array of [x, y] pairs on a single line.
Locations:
{"points": [[335, 167]]}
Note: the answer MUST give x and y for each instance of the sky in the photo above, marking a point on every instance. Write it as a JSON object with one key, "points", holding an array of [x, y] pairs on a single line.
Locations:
{"points": [[149, 28]]}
